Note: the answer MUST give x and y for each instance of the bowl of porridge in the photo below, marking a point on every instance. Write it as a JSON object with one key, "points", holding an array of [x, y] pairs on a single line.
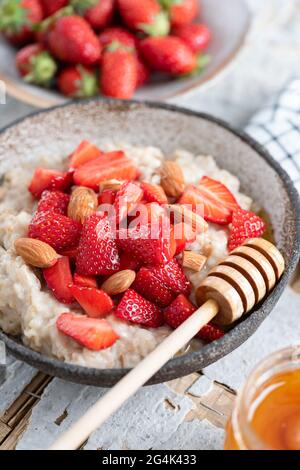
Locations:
{"points": [[111, 214]]}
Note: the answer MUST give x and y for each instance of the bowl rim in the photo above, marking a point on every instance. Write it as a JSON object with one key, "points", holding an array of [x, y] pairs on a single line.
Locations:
{"points": [[28, 96], [208, 353]]}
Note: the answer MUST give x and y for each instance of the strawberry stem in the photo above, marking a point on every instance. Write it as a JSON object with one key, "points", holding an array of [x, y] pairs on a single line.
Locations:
{"points": [[160, 27], [88, 85], [81, 6], [45, 25], [12, 16], [167, 4], [43, 69], [116, 46], [202, 61]]}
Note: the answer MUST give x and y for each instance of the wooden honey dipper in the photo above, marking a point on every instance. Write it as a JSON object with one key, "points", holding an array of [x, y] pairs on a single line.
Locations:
{"points": [[230, 290]]}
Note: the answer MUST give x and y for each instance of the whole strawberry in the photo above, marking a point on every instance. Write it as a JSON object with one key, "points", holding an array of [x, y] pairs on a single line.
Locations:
{"points": [[17, 18], [244, 225], [121, 35], [181, 11], [72, 40], [168, 54], [144, 16], [196, 36], [78, 82], [143, 72], [52, 6], [36, 65], [118, 72], [98, 13]]}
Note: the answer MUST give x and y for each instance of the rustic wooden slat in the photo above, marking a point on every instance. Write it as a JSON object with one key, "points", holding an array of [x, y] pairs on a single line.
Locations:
{"points": [[12, 439], [4, 431], [26, 400], [61, 403], [15, 419], [216, 406]]}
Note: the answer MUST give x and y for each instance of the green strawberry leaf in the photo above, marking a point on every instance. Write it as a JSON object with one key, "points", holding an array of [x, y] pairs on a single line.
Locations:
{"points": [[160, 27], [81, 6], [13, 17]]}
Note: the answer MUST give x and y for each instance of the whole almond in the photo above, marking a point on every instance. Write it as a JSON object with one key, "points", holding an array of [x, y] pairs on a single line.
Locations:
{"points": [[172, 179], [36, 253], [113, 185], [83, 203], [119, 282], [193, 261]]}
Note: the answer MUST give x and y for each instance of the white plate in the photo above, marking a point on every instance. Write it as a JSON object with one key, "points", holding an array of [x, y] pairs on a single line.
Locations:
{"points": [[229, 21]]}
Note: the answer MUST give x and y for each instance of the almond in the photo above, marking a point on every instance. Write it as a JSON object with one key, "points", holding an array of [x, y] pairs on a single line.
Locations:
{"points": [[193, 261], [36, 253], [113, 185], [83, 203], [183, 214], [119, 282], [206, 249], [172, 179]]}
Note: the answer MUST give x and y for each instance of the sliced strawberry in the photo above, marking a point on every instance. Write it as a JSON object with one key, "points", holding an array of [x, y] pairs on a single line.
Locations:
{"points": [[55, 201], [173, 277], [70, 252], [149, 213], [113, 165], [180, 310], [128, 261], [148, 244], [150, 287], [244, 225], [59, 279], [107, 196], [63, 182], [84, 153], [95, 302], [127, 198], [154, 193], [42, 179], [57, 230], [210, 333], [184, 235], [97, 252], [85, 281], [134, 308], [212, 200], [91, 333]]}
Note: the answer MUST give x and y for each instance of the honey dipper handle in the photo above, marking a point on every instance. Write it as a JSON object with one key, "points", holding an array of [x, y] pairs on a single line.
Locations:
{"points": [[137, 377]]}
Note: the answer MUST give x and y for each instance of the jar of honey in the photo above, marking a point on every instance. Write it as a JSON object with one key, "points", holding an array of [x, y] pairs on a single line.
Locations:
{"points": [[267, 411]]}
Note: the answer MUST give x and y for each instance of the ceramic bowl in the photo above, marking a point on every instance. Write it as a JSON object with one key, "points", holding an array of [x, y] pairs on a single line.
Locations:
{"points": [[229, 22], [60, 129]]}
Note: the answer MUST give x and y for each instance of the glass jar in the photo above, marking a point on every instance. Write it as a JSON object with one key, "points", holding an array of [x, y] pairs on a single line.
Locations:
{"points": [[267, 411]]}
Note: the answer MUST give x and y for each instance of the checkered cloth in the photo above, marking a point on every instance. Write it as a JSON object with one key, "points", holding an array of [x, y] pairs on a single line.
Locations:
{"points": [[277, 128]]}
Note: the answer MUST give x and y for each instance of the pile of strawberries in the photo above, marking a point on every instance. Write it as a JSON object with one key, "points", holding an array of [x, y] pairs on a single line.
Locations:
{"points": [[87, 47], [130, 272]]}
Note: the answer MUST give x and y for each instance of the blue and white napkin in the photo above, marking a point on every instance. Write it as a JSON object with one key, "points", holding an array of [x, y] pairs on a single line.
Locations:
{"points": [[277, 128]]}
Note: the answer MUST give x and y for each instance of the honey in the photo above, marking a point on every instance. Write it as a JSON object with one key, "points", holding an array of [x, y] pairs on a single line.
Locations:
{"points": [[267, 412]]}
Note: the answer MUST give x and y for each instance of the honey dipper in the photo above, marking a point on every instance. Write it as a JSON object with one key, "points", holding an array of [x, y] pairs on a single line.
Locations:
{"points": [[230, 290]]}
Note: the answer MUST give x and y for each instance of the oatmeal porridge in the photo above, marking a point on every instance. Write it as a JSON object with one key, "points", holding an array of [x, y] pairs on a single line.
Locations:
{"points": [[105, 302]]}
